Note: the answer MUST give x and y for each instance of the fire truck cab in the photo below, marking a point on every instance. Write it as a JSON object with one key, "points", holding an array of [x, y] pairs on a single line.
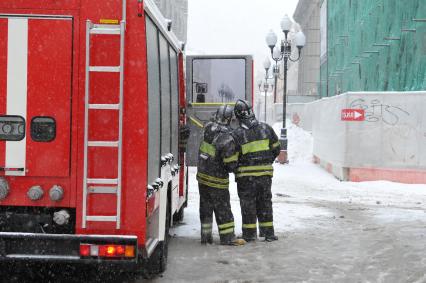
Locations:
{"points": [[92, 96]]}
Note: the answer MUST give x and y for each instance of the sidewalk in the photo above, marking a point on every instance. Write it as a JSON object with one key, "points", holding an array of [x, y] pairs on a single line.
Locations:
{"points": [[330, 231]]}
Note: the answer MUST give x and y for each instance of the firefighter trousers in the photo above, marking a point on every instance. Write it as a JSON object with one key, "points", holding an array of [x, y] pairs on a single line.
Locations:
{"points": [[218, 201], [256, 204]]}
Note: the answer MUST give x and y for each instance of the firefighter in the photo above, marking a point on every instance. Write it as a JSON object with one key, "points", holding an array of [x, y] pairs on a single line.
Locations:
{"points": [[216, 159], [257, 147]]}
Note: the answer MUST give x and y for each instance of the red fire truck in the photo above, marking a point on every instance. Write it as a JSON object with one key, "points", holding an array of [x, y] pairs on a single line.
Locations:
{"points": [[91, 99]]}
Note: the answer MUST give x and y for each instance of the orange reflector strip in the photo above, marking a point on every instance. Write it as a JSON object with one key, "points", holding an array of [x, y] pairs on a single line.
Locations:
{"points": [[130, 251], [108, 21]]}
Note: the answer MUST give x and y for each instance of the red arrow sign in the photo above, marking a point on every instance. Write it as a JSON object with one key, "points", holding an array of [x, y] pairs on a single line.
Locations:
{"points": [[353, 115]]}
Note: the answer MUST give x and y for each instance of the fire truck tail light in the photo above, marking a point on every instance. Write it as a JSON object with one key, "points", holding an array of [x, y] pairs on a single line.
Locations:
{"points": [[84, 250], [130, 251], [107, 251], [120, 250], [94, 250]]}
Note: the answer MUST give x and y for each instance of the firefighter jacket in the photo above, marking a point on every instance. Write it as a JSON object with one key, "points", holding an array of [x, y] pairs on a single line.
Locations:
{"points": [[217, 156], [257, 147]]}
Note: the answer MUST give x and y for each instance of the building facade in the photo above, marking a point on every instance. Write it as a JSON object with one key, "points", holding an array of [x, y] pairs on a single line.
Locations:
{"points": [[370, 45], [307, 15], [177, 11]]}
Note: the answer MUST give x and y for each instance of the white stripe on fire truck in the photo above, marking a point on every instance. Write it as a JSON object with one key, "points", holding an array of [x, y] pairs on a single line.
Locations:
{"points": [[17, 67]]}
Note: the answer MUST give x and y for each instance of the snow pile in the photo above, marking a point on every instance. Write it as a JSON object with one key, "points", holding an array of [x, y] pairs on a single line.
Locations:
{"points": [[300, 145]]}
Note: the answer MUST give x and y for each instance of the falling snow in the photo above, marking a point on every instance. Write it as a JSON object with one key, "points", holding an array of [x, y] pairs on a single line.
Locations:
{"points": [[329, 230]]}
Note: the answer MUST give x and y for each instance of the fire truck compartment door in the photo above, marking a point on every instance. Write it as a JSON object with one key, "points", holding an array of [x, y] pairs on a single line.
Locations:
{"points": [[35, 87]]}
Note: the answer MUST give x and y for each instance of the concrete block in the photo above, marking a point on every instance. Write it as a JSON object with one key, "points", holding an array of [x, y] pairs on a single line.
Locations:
{"points": [[389, 144]]}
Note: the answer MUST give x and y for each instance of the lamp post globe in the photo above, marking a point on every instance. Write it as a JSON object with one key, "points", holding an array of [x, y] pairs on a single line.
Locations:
{"points": [[300, 39], [267, 65], [276, 54], [286, 24], [271, 39], [259, 84]]}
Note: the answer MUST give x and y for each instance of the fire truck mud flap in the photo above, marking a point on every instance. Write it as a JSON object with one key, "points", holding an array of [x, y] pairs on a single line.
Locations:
{"points": [[65, 248]]}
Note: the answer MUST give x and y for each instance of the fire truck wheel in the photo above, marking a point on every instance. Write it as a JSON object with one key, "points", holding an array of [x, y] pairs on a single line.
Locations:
{"points": [[157, 263]]}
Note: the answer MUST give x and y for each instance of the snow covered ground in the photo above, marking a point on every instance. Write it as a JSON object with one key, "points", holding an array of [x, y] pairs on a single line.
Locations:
{"points": [[302, 181], [330, 231]]}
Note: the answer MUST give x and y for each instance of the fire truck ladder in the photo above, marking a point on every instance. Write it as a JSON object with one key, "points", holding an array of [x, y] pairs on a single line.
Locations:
{"points": [[103, 185]]}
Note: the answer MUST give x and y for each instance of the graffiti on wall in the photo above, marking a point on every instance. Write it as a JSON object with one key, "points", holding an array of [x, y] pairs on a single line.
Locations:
{"points": [[377, 111]]}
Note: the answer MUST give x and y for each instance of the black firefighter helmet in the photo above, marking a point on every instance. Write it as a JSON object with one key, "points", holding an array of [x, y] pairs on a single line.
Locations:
{"points": [[224, 114], [243, 110]]}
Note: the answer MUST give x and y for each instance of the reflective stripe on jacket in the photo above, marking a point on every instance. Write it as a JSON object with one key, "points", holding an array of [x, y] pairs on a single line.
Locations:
{"points": [[255, 170], [211, 181], [258, 148], [208, 149], [215, 158]]}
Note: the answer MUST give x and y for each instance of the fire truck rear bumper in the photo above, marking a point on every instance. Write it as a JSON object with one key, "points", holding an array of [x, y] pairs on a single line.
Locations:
{"points": [[28, 247]]}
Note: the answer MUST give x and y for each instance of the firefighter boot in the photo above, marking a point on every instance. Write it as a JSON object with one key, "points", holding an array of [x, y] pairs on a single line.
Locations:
{"points": [[271, 238], [249, 239], [249, 235], [206, 233], [267, 230], [206, 239], [269, 235]]}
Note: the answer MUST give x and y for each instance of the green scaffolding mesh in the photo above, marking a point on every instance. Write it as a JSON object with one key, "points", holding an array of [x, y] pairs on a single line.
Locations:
{"points": [[375, 45]]}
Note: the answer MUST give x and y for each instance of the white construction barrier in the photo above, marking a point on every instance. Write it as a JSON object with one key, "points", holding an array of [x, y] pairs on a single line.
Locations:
{"points": [[301, 114], [362, 136]]}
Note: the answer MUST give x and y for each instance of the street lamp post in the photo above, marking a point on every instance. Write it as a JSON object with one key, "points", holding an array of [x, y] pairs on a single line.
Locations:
{"points": [[266, 85], [283, 53], [276, 70]]}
